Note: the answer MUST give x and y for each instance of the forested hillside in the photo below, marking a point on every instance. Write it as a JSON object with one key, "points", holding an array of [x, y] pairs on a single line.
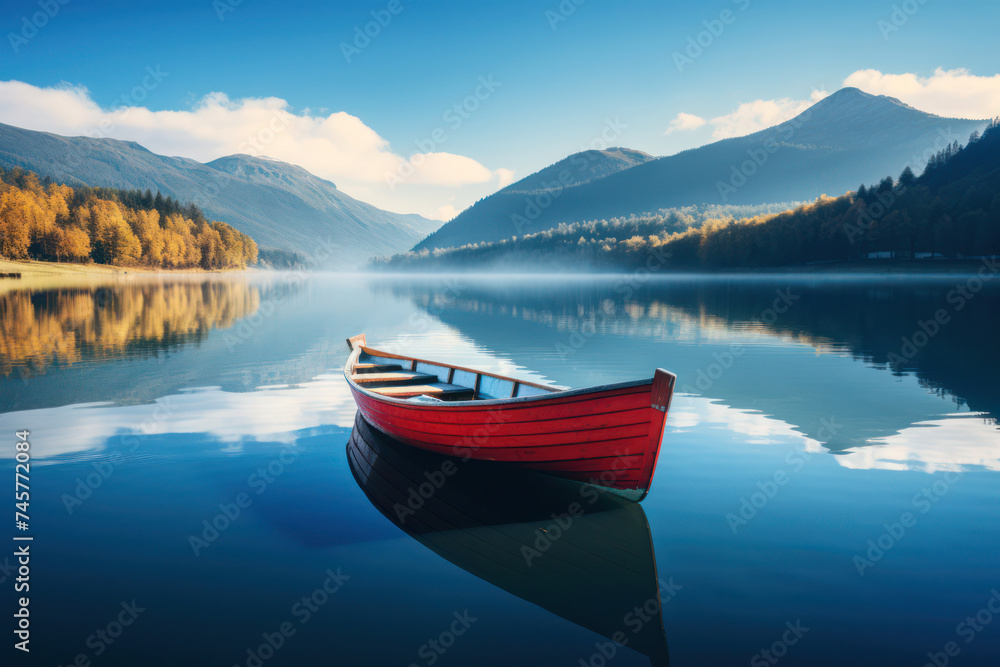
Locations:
{"points": [[283, 207], [951, 211], [47, 221], [597, 244], [846, 138]]}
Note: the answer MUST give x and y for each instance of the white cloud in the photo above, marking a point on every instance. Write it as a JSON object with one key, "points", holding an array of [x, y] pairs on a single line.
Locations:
{"points": [[447, 212], [684, 122], [336, 146], [952, 93], [748, 117], [753, 116], [956, 442], [441, 169], [505, 177]]}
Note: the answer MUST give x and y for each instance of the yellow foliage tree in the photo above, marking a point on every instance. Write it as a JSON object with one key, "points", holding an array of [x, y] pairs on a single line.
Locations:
{"points": [[58, 222], [73, 244]]}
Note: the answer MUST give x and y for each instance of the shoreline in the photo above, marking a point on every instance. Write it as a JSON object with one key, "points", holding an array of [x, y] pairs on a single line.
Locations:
{"points": [[33, 268], [37, 275], [872, 268]]}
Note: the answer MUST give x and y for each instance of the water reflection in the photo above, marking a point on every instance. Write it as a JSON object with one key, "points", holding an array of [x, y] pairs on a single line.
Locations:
{"points": [[65, 326], [273, 414], [956, 444], [795, 336], [581, 554]]}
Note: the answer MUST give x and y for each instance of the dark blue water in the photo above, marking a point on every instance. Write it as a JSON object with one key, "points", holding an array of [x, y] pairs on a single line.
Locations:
{"points": [[828, 492]]}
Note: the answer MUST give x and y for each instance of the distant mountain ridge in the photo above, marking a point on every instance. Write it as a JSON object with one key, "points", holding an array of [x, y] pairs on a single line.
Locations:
{"points": [[279, 205], [580, 168], [577, 169], [843, 140]]}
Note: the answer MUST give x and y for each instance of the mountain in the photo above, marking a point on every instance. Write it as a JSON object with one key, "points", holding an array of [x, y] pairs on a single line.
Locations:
{"points": [[278, 204], [577, 169], [951, 211], [848, 138], [581, 168]]}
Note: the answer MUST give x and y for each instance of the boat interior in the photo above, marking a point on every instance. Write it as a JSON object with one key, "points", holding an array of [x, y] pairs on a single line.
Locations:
{"points": [[418, 380]]}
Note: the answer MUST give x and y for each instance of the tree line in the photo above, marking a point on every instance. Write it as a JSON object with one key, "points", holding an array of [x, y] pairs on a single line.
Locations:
{"points": [[594, 244], [47, 221], [952, 210]]}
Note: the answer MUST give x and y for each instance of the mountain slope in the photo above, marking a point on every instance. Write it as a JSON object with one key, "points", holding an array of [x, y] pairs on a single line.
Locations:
{"points": [[843, 140], [278, 204], [581, 168], [577, 169]]}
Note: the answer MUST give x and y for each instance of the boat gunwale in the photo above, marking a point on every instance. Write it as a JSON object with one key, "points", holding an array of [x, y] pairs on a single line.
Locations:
{"points": [[474, 403]]}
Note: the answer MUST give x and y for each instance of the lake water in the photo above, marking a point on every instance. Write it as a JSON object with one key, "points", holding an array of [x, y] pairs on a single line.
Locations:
{"points": [[828, 491]]}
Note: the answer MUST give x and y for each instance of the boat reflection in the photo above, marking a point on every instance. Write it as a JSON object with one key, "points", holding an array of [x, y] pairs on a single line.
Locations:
{"points": [[575, 551]]}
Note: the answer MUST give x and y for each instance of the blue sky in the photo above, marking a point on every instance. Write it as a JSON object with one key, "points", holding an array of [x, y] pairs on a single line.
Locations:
{"points": [[560, 81]]}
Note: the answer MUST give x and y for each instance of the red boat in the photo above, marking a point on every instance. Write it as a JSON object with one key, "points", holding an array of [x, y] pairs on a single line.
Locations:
{"points": [[608, 436]]}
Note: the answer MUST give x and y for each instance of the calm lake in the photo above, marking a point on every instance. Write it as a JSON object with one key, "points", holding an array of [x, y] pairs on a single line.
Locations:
{"points": [[828, 492]]}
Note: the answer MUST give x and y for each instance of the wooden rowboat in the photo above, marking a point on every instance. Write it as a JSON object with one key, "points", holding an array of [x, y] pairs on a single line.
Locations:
{"points": [[608, 436]]}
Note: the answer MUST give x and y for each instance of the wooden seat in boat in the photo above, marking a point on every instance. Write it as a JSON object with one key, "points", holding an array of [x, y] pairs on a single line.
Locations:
{"points": [[440, 390], [376, 368], [395, 377]]}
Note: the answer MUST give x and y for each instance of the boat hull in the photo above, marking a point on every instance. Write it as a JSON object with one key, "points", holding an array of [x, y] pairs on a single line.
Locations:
{"points": [[608, 436]]}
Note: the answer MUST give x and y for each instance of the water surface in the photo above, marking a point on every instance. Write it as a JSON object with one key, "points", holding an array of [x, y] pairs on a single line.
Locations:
{"points": [[827, 489]]}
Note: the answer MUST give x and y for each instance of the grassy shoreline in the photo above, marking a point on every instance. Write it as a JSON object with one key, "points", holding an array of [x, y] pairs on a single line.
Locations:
{"points": [[36, 275], [30, 268]]}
